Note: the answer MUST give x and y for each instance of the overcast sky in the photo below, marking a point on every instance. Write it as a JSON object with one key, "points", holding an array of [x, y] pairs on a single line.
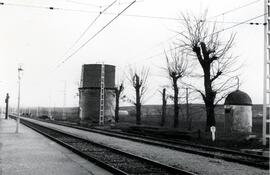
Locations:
{"points": [[38, 38]]}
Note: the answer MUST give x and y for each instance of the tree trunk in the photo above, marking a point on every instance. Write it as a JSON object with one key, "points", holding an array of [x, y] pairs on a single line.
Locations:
{"points": [[210, 120], [176, 107], [138, 113], [164, 103], [209, 98], [138, 107], [117, 96]]}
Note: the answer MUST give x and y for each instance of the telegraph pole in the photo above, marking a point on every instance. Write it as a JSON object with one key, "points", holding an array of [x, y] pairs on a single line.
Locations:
{"points": [[50, 109], [266, 84], [37, 111], [64, 100], [19, 96]]}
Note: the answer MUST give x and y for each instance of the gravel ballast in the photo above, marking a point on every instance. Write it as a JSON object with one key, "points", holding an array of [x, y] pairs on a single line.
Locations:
{"points": [[189, 162]]}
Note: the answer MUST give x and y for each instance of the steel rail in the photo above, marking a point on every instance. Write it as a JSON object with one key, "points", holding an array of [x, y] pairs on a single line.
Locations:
{"points": [[157, 166], [208, 151]]}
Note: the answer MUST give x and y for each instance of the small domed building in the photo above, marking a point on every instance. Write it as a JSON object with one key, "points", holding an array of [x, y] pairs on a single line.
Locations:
{"points": [[238, 112]]}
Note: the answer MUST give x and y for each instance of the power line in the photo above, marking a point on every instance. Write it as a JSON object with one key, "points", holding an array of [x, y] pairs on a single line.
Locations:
{"points": [[235, 9], [83, 3], [98, 6], [229, 11], [46, 7], [85, 11], [145, 16], [156, 45], [236, 23], [88, 27], [97, 33], [121, 3], [170, 18], [28, 6], [240, 23], [243, 22], [111, 13]]}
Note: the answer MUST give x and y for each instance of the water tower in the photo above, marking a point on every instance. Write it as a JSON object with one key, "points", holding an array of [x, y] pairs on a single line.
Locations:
{"points": [[238, 112], [96, 93]]}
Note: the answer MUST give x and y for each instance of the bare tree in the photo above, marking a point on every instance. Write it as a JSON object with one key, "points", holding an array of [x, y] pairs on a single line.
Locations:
{"points": [[176, 68], [203, 40], [118, 91], [138, 80]]}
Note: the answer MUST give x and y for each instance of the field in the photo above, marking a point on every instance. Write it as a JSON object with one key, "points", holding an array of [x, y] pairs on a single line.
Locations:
{"points": [[152, 116]]}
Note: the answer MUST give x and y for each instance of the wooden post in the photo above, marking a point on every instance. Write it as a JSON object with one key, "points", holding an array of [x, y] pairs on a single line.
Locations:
{"points": [[6, 101]]}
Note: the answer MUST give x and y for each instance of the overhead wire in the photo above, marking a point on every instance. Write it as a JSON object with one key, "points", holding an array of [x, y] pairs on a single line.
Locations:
{"points": [[151, 17], [78, 49], [88, 27], [236, 24], [45, 7], [243, 22], [28, 6], [240, 23], [84, 3], [157, 45], [98, 6], [235, 9], [110, 13], [121, 3], [226, 12]]}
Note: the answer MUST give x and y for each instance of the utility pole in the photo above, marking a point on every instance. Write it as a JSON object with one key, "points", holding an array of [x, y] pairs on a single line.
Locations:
{"points": [[187, 110], [37, 112], [164, 106], [50, 109], [19, 96], [266, 77], [64, 104], [6, 101]]}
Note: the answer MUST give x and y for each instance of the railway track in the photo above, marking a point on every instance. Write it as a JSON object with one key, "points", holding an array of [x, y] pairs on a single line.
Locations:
{"points": [[115, 161], [208, 151]]}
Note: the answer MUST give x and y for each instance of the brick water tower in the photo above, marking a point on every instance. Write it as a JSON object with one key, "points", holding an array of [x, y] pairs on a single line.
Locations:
{"points": [[96, 94]]}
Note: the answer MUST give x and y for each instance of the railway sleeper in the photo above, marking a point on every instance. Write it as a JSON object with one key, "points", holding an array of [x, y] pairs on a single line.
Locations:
{"points": [[141, 170]]}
